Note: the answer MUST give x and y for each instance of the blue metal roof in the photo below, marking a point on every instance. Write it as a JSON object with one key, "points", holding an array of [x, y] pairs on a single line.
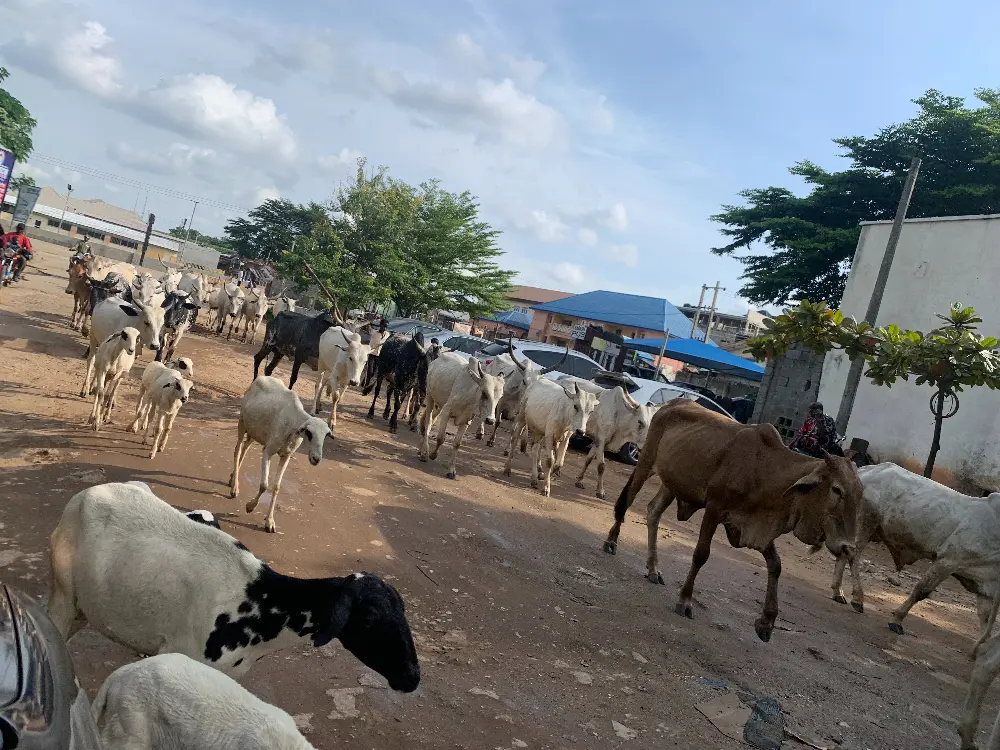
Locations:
{"points": [[630, 310], [700, 354], [513, 319]]}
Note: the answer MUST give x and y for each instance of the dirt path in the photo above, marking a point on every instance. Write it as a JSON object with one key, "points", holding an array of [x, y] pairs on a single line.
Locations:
{"points": [[529, 635]]}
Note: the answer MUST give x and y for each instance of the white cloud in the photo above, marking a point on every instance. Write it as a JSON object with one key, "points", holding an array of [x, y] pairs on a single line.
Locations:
{"points": [[346, 158], [262, 194], [602, 119], [467, 51], [627, 255], [545, 227], [525, 70], [616, 218], [587, 236], [179, 159], [208, 106], [28, 169], [570, 274]]}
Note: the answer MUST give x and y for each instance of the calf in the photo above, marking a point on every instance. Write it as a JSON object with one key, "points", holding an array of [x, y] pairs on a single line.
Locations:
{"points": [[457, 390], [154, 370], [196, 286], [616, 421], [918, 519], [272, 416], [402, 363], [254, 311], [148, 578], [148, 704], [342, 358], [747, 481], [297, 336], [168, 393], [550, 413], [113, 361], [179, 312]]}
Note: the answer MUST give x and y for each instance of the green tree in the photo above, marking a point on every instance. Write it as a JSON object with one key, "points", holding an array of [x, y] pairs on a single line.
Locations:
{"points": [[949, 358], [197, 238], [22, 180], [809, 241], [272, 228], [16, 123]]}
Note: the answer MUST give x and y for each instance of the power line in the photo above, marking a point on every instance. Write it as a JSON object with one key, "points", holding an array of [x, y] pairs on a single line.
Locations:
{"points": [[138, 184]]}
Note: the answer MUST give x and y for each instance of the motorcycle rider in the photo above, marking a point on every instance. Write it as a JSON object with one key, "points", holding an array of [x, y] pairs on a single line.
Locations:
{"points": [[17, 237], [818, 435]]}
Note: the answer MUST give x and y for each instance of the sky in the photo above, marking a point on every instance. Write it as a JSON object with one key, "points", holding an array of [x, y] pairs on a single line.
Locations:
{"points": [[598, 136]]}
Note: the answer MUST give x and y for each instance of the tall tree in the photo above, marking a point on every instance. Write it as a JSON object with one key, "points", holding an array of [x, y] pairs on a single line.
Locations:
{"points": [[809, 241], [22, 180], [196, 237], [16, 123], [272, 228]]}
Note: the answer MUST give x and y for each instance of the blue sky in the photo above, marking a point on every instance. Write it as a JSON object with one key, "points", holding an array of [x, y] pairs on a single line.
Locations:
{"points": [[599, 136]]}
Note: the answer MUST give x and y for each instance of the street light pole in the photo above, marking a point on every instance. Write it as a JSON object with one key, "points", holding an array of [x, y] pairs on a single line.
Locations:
{"points": [[69, 192], [187, 229]]}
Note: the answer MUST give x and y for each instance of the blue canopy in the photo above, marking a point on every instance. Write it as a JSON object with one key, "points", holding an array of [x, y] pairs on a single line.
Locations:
{"points": [[513, 319], [700, 354]]}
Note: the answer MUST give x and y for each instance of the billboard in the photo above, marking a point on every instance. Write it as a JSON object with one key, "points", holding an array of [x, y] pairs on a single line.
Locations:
{"points": [[6, 167], [26, 199]]}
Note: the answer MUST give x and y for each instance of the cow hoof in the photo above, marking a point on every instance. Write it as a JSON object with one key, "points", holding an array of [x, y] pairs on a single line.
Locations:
{"points": [[896, 628], [506, 452], [506, 472], [413, 428], [490, 444], [233, 493], [763, 631], [655, 577], [451, 475], [839, 598], [684, 610], [83, 395], [270, 528], [555, 471], [478, 436], [611, 547], [580, 485], [601, 495], [371, 415], [859, 607], [423, 459], [251, 504]]}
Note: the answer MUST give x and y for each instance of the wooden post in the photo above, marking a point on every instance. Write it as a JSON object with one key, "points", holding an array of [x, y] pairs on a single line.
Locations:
{"points": [[145, 241], [858, 363]]}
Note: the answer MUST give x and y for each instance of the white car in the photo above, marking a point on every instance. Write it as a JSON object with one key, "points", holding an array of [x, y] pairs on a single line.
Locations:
{"points": [[464, 345], [546, 355]]}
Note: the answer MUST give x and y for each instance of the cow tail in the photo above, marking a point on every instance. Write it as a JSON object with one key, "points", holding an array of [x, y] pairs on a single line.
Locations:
{"points": [[621, 505]]}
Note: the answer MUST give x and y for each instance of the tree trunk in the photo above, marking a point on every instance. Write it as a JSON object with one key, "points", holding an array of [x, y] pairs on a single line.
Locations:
{"points": [[936, 442]]}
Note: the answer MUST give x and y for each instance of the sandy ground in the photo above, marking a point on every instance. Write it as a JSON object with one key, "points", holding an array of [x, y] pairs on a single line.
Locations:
{"points": [[528, 634]]}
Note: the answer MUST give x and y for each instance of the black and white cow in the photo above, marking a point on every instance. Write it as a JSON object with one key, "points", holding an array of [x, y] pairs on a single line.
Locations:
{"points": [[291, 334]]}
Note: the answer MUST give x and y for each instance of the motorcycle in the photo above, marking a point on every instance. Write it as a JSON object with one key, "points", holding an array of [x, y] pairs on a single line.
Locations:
{"points": [[7, 263]]}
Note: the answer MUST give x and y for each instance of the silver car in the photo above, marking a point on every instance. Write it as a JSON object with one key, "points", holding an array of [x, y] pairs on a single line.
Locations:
{"points": [[42, 706]]}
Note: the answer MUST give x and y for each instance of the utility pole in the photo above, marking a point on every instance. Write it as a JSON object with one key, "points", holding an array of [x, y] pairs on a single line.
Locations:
{"points": [[697, 312], [711, 314], [69, 192], [145, 241], [187, 229], [858, 363], [659, 360]]}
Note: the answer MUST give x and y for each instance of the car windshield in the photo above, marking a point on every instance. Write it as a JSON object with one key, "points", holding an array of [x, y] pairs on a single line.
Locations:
{"points": [[610, 381], [494, 350]]}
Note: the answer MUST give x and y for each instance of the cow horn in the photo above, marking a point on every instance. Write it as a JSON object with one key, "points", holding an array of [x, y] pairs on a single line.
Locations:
{"points": [[162, 263], [510, 349], [547, 370], [629, 400]]}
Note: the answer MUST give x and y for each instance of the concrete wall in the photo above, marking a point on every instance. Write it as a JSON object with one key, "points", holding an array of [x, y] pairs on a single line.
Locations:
{"points": [[938, 262], [789, 385]]}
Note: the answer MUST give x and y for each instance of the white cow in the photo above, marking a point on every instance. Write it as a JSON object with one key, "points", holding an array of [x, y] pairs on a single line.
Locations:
{"points": [[457, 390], [550, 413], [254, 309], [115, 314], [617, 420], [342, 360], [282, 303], [918, 519], [146, 290], [112, 362], [153, 371], [230, 300], [196, 285], [168, 393], [171, 278], [98, 267], [272, 416]]}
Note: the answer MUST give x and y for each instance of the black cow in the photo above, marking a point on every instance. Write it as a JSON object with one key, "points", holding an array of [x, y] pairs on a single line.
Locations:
{"points": [[292, 334], [112, 285], [403, 364], [178, 315]]}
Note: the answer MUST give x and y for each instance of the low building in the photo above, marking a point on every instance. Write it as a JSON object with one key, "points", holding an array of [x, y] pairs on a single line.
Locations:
{"points": [[726, 328], [938, 262], [516, 319]]}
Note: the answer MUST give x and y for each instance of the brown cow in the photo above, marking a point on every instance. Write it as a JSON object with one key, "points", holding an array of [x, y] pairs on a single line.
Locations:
{"points": [[79, 287], [748, 481]]}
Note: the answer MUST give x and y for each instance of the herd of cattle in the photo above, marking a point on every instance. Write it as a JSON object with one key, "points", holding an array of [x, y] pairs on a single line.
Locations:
{"points": [[220, 606]]}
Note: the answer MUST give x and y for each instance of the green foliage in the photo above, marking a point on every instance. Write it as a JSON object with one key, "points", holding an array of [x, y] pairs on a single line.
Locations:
{"points": [[809, 241], [22, 180], [385, 241], [197, 238], [16, 123], [272, 228]]}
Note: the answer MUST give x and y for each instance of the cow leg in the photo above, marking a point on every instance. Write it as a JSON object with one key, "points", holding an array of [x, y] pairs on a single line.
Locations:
{"points": [[481, 429], [265, 466], [936, 573], [161, 426], [295, 373], [986, 608], [838, 579], [91, 358], [549, 445], [164, 434], [397, 401], [416, 410], [425, 431], [443, 417], [335, 398], [378, 387], [95, 413], [765, 623], [493, 435], [509, 453], [560, 450], [701, 552], [242, 446], [152, 417], [318, 392], [640, 474], [260, 357], [591, 455], [460, 434], [390, 391], [660, 502], [983, 674], [269, 521]]}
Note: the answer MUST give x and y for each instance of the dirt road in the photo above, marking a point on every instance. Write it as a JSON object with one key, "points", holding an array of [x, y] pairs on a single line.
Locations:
{"points": [[528, 634]]}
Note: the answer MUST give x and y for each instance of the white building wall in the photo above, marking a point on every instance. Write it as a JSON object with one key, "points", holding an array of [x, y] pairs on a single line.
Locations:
{"points": [[938, 262]]}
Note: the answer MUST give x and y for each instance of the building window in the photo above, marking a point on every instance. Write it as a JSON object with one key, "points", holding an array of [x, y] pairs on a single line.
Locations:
{"points": [[91, 233], [38, 223], [53, 223], [125, 243]]}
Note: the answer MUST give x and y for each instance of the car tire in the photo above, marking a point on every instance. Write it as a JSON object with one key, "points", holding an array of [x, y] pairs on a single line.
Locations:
{"points": [[629, 454]]}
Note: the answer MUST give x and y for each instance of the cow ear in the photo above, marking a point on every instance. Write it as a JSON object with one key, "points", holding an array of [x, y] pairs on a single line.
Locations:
{"points": [[129, 310], [809, 482], [124, 335], [165, 303], [190, 305]]}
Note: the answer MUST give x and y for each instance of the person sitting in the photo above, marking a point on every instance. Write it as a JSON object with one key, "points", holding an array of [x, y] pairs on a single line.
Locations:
{"points": [[818, 436]]}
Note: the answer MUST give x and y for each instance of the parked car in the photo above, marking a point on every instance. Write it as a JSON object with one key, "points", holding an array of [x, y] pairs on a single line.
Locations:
{"points": [[42, 706], [410, 326], [647, 392], [463, 344], [546, 355]]}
